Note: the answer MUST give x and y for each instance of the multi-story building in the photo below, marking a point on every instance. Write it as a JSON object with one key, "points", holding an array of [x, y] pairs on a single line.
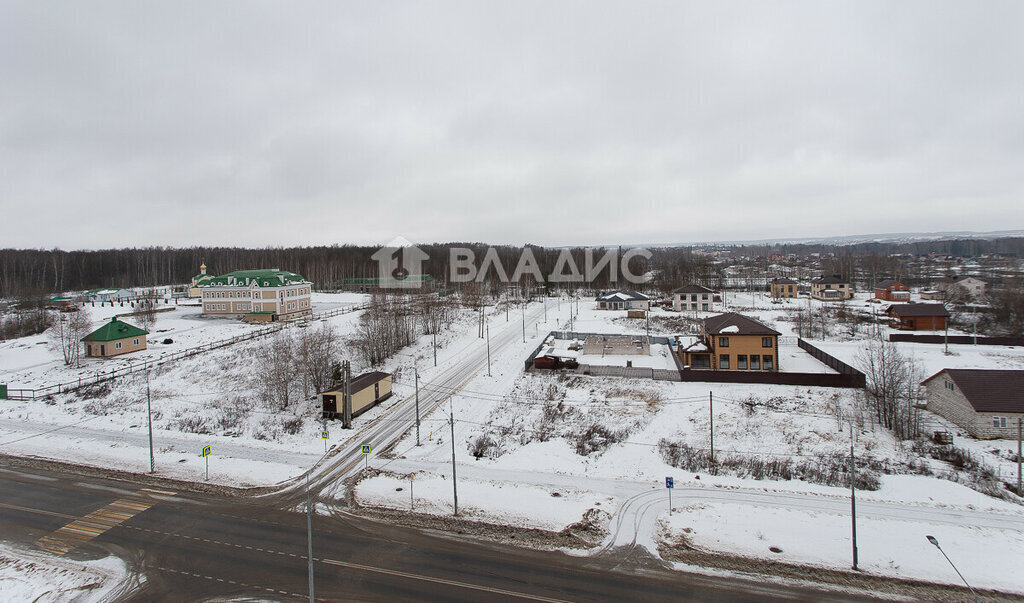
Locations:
{"points": [[784, 287], [890, 290], [257, 295], [831, 288], [694, 298], [733, 342]]}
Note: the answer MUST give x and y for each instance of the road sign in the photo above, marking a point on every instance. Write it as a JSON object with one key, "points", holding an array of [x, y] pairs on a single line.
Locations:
{"points": [[366, 449], [670, 483], [206, 450], [324, 435]]}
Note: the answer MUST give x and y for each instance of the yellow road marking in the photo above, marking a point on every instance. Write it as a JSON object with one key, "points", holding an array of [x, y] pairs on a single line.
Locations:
{"points": [[84, 529]]}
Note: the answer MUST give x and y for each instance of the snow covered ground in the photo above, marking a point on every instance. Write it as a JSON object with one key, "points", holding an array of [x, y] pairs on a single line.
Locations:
{"points": [[596, 442], [31, 575]]}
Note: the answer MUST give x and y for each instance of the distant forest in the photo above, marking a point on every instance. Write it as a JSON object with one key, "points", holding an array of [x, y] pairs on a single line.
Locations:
{"points": [[37, 272]]}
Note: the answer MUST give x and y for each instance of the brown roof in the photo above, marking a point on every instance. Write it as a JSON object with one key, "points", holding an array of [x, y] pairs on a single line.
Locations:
{"points": [[361, 382], [783, 281], [989, 390], [887, 284], [831, 279], [747, 326], [693, 288], [917, 310]]}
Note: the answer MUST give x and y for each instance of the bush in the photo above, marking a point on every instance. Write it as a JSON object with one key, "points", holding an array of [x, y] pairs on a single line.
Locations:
{"points": [[292, 426], [484, 446], [597, 438], [193, 423]]}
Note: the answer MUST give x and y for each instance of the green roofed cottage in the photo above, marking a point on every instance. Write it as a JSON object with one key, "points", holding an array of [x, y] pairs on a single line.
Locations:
{"points": [[113, 339]]}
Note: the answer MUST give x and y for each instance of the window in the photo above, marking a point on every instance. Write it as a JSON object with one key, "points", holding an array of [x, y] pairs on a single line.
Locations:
{"points": [[723, 361], [766, 342], [135, 341], [741, 362], [998, 421], [755, 362], [117, 346], [949, 385], [700, 361], [723, 342], [704, 307], [769, 362]]}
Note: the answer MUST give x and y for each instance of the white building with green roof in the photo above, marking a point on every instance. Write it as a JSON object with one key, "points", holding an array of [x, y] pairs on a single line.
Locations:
{"points": [[257, 295]]}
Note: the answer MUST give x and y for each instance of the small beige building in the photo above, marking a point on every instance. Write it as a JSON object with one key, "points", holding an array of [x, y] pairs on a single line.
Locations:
{"points": [[366, 389], [113, 339], [987, 403]]}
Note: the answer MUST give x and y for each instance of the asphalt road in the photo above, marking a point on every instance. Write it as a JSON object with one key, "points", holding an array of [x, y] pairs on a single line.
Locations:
{"points": [[191, 547]]}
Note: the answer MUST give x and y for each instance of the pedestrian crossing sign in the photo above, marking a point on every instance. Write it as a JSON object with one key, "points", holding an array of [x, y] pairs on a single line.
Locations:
{"points": [[206, 450], [366, 449], [324, 435]]}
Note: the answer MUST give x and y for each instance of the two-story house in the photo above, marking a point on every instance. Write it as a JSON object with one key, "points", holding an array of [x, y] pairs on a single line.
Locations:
{"points": [[890, 290], [733, 342], [831, 288], [783, 288], [694, 298]]}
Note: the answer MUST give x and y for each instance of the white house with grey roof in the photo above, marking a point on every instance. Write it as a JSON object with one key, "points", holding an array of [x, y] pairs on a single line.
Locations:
{"points": [[623, 300]]}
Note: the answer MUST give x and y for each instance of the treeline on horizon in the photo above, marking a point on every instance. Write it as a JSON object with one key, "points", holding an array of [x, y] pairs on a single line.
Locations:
{"points": [[38, 272]]}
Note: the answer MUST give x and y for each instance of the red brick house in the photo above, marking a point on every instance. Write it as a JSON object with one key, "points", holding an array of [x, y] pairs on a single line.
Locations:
{"points": [[892, 291], [917, 317]]}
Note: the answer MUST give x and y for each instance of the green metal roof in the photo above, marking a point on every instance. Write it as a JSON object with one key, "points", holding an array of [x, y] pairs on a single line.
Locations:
{"points": [[264, 278], [115, 330]]}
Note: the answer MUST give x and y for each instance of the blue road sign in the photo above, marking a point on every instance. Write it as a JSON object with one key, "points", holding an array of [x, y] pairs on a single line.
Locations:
{"points": [[324, 434], [669, 482], [206, 451], [366, 449]]}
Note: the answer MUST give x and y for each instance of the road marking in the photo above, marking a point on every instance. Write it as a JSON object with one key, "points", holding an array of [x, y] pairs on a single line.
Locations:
{"points": [[456, 583], [82, 530]]}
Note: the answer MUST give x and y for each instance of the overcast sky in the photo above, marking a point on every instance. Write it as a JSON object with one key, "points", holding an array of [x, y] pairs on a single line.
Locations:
{"points": [[302, 123]]}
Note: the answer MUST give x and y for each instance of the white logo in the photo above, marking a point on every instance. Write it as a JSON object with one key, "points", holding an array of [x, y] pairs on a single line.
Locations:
{"points": [[400, 265]]}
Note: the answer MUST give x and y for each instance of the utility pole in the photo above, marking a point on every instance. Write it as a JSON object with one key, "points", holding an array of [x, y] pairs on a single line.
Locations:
{"points": [[417, 373], [455, 488], [309, 535], [346, 414], [1019, 491], [853, 498], [435, 347], [488, 350], [711, 415], [524, 324], [148, 411]]}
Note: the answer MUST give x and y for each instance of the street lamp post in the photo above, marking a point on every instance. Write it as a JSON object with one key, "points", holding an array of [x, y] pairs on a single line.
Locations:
{"points": [[935, 541]]}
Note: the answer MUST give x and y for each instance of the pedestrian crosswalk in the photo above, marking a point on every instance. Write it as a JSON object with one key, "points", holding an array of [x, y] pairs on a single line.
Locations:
{"points": [[84, 529]]}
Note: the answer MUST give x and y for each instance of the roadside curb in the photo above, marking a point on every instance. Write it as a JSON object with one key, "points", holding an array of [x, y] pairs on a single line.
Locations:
{"points": [[144, 479]]}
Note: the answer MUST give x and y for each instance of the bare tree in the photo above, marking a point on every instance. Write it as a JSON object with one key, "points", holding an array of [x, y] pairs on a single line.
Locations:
{"points": [[316, 350], [276, 370], [891, 387], [1007, 315], [66, 334], [145, 311]]}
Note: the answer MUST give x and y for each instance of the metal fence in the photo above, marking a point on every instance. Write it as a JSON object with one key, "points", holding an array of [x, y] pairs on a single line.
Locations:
{"points": [[143, 365], [854, 376]]}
